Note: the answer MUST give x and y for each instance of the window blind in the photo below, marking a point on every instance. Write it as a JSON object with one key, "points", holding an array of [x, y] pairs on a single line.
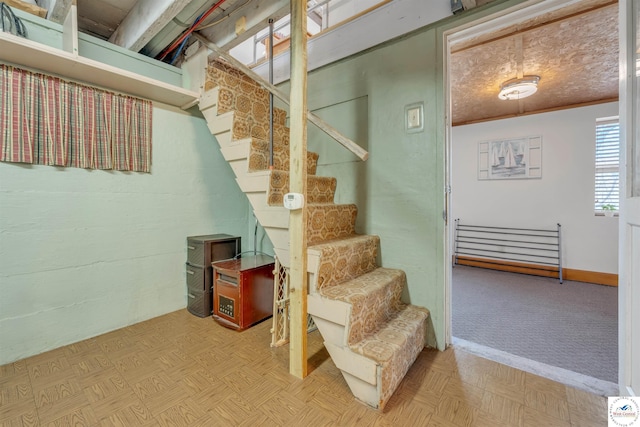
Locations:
{"points": [[607, 172]]}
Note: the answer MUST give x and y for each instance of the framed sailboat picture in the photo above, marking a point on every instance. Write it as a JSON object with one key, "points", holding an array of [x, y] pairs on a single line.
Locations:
{"points": [[516, 158]]}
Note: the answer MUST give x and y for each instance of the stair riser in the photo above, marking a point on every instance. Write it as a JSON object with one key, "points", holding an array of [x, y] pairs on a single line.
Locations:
{"points": [[210, 114], [239, 167], [363, 391], [331, 332], [258, 200], [209, 99], [334, 311], [279, 237], [223, 138], [253, 183], [221, 124], [275, 218], [239, 150], [354, 364]]}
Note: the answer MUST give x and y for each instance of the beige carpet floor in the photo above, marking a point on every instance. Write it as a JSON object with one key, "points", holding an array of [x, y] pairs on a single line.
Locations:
{"points": [[572, 325]]}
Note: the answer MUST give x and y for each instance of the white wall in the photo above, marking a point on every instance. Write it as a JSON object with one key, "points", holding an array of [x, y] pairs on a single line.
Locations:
{"points": [[83, 252], [564, 195], [386, 22]]}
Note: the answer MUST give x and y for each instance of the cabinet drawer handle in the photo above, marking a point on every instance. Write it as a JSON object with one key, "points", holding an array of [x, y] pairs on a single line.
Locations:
{"points": [[228, 279], [191, 247], [190, 272], [191, 295], [225, 283]]}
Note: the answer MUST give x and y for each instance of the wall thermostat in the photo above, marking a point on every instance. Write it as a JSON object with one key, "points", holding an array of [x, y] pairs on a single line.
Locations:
{"points": [[293, 201]]}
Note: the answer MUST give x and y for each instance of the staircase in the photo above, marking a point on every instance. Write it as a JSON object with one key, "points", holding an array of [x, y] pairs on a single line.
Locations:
{"points": [[372, 337]]}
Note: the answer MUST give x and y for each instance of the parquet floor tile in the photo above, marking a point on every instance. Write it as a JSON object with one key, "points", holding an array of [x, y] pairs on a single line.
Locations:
{"points": [[535, 418], [132, 414], [15, 389], [508, 411], [17, 414], [233, 409], [181, 370], [78, 417], [184, 413]]}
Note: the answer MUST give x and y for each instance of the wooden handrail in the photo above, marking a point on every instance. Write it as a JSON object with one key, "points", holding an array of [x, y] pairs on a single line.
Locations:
{"points": [[360, 152]]}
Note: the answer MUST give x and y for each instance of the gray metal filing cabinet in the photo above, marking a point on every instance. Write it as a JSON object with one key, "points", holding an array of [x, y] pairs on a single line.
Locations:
{"points": [[201, 252]]}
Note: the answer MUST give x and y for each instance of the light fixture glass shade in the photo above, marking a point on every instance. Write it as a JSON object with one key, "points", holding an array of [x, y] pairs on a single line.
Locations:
{"points": [[519, 88]]}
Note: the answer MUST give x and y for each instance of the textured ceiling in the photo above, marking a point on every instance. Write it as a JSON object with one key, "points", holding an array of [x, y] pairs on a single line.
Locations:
{"points": [[575, 54]]}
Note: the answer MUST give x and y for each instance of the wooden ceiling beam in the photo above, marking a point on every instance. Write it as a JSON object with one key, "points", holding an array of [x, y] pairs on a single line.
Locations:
{"points": [[144, 21]]}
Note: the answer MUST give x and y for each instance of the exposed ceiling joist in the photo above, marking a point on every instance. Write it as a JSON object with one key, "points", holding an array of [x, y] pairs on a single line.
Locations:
{"points": [[181, 22], [316, 17], [571, 44], [58, 9], [256, 15], [145, 20]]}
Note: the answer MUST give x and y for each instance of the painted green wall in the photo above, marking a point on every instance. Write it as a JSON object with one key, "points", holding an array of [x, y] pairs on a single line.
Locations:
{"points": [[399, 190], [84, 252], [49, 33]]}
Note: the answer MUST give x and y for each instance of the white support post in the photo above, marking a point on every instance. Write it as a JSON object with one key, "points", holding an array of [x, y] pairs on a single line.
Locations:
{"points": [[70, 30]]}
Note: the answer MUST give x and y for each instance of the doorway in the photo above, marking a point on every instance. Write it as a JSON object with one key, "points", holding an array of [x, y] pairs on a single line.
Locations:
{"points": [[485, 196]]}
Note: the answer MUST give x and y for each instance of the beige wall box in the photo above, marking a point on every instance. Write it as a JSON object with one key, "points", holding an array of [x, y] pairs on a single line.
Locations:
{"points": [[414, 117]]}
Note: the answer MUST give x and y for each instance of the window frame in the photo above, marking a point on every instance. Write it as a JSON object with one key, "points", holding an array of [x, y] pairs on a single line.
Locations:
{"points": [[607, 162]]}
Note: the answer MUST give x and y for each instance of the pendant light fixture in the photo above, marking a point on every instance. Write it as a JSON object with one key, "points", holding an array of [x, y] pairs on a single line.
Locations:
{"points": [[519, 88]]}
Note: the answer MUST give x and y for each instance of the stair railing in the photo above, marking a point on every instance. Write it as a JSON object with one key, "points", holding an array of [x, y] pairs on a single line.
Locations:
{"points": [[270, 94], [360, 152]]}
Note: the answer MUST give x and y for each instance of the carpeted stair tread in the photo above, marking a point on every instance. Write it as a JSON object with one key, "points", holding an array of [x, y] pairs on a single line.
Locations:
{"points": [[374, 297], [236, 89], [328, 221], [320, 189], [259, 157], [250, 104], [395, 347], [345, 259], [381, 344]]}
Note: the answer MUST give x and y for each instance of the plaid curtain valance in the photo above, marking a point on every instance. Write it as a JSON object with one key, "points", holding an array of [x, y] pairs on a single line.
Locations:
{"points": [[49, 121]]}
